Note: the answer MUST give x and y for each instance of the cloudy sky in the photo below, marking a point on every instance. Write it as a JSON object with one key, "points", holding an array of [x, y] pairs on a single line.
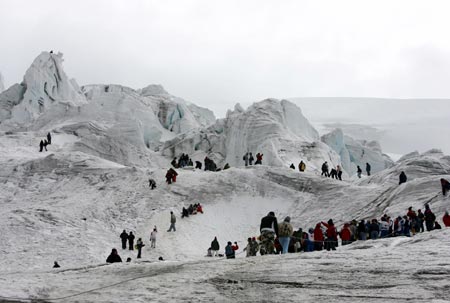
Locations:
{"points": [[217, 53]]}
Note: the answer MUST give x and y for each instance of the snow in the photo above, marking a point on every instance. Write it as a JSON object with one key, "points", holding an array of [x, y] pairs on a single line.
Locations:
{"points": [[2, 85], [70, 203]]}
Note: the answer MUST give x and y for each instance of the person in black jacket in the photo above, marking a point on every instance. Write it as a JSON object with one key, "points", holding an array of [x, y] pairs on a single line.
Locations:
{"points": [[268, 229], [131, 241], [362, 232], [49, 139], [113, 257], [124, 237], [402, 178], [215, 247], [368, 168]]}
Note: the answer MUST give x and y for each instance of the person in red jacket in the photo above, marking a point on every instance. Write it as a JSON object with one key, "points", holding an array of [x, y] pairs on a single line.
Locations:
{"points": [[199, 208], [318, 237], [331, 241], [446, 219], [346, 235]]}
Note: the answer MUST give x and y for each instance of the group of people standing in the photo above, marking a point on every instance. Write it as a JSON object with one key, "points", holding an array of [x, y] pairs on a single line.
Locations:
{"points": [[248, 158], [335, 173], [301, 166], [359, 170], [43, 144]]}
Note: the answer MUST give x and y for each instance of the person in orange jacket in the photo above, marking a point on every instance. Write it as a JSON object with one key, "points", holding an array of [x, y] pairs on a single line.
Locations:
{"points": [[318, 237], [446, 219], [331, 241]]}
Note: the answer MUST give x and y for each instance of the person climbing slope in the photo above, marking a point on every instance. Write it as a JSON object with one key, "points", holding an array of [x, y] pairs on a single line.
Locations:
{"points": [[124, 237]]}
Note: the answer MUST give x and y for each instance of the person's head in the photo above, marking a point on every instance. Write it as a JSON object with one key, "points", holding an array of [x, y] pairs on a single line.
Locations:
{"points": [[124, 231], [229, 243], [131, 232], [311, 230], [249, 239], [215, 238], [271, 214], [254, 239], [427, 206], [419, 210], [171, 212], [114, 251], [446, 213], [410, 208], [128, 259], [287, 219], [330, 222], [160, 259]]}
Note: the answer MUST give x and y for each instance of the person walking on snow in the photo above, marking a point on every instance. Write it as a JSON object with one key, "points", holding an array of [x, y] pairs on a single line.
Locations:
{"points": [[402, 178], [41, 146], [153, 237], [49, 139], [285, 231], [215, 247], [124, 237], [429, 218], [368, 169], [445, 186], [131, 241], [250, 159], [45, 144], [113, 257], [339, 172], [259, 158], [292, 166], [301, 166], [152, 183], [229, 251], [173, 220], [325, 169], [139, 246], [268, 229], [245, 158], [359, 171]]}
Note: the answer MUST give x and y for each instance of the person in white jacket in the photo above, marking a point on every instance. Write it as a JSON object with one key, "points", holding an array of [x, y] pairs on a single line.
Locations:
{"points": [[153, 237]]}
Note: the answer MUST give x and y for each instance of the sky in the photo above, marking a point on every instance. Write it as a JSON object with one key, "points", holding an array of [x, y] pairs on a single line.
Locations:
{"points": [[218, 53]]}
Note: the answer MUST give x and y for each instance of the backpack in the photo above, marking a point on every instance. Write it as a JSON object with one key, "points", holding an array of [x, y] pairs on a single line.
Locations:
{"points": [[229, 251]]}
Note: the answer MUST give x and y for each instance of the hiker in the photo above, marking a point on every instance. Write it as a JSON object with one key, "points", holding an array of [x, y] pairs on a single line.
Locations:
{"points": [[445, 186], [301, 166], [215, 247], [113, 257], [374, 229], [248, 248], [285, 231], [345, 234], [384, 228], [402, 178], [227, 166], [184, 212], [368, 169], [333, 173], [325, 169], [254, 247], [198, 165], [139, 245], [174, 175], [124, 237], [229, 251], [245, 158], [153, 235], [49, 139], [131, 241], [250, 159], [420, 220], [199, 208], [437, 225], [268, 229], [173, 220], [41, 146], [56, 265], [151, 183], [174, 162], [259, 158], [45, 144], [190, 163], [339, 172], [169, 177], [429, 218], [446, 219], [362, 231], [331, 240], [128, 259], [359, 171], [292, 166], [318, 237]]}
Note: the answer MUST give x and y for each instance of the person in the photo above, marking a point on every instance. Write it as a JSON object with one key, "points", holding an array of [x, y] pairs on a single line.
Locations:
{"points": [[362, 231], [339, 172], [429, 218], [41, 146], [227, 166], [333, 173], [174, 175], [131, 241], [446, 219], [248, 248], [128, 260], [56, 265], [209, 252], [174, 162], [318, 237], [259, 158], [199, 208], [161, 259], [359, 171], [45, 144], [215, 247], [169, 177], [229, 251], [190, 163], [184, 212], [153, 235], [268, 229], [374, 229], [198, 165], [139, 245], [250, 159], [437, 225], [368, 169], [245, 158], [292, 166], [152, 183], [173, 220], [124, 237], [49, 139], [345, 234], [254, 247], [113, 257], [285, 231], [325, 169], [331, 240], [301, 166], [420, 220], [445, 186], [402, 178]]}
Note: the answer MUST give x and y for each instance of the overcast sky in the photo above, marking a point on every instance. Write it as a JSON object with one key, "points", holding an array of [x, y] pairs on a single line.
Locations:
{"points": [[217, 53]]}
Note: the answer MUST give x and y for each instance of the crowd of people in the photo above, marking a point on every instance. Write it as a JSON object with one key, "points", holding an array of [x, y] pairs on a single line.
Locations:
{"points": [[248, 158], [192, 209]]}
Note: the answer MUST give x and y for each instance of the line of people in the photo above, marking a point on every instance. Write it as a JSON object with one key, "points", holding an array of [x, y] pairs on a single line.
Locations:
{"points": [[43, 144], [335, 173], [248, 159]]}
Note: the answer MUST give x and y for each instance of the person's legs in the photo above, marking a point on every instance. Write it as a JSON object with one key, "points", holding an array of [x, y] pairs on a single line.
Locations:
{"points": [[284, 241]]}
